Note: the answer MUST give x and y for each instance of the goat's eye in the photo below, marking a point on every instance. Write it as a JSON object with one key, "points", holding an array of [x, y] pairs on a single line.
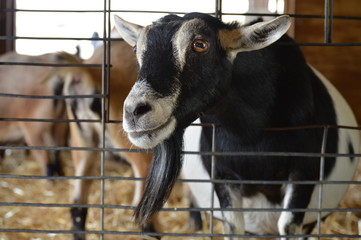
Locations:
{"points": [[135, 49], [200, 46]]}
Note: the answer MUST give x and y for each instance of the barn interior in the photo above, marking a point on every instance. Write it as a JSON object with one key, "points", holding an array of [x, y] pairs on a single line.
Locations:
{"points": [[35, 205]]}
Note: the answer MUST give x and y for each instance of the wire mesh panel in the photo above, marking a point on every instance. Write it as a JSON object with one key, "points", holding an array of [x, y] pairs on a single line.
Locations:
{"points": [[63, 150]]}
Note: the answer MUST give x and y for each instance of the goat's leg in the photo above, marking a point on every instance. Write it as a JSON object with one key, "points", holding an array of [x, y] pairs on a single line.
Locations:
{"points": [[36, 135], [60, 132], [82, 136], [2, 154], [45, 134], [195, 218], [55, 167], [233, 221], [296, 196], [83, 164], [83, 167]]}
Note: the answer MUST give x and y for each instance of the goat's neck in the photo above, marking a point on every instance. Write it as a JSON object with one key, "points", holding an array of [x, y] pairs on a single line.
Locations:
{"points": [[236, 116]]}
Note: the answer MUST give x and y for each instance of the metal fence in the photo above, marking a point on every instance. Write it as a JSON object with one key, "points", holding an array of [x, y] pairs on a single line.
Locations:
{"points": [[103, 232]]}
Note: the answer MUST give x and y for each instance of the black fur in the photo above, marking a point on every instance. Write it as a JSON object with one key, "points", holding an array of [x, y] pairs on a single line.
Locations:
{"points": [[195, 218], [58, 90], [149, 228], [54, 167], [2, 154], [78, 215], [289, 95], [162, 176], [351, 150], [96, 105], [74, 109]]}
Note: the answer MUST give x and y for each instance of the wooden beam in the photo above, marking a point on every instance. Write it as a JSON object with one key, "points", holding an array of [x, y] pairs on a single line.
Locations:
{"points": [[7, 25]]}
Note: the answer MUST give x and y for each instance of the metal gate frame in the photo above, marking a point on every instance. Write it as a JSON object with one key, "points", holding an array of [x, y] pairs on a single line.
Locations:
{"points": [[106, 65]]}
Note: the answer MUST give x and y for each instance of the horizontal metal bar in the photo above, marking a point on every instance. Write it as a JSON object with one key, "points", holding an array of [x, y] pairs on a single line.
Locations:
{"points": [[49, 10], [11, 95], [121, 121], [205, 209], [91, 11], [272, 154], [229, 154], [46, 38], [95, 149], [60, 38], [219, 181], [292, 15], [51, 64], [171, 234], [175, 12], [327, 44], [90, 39], [66, 120], [312, 127], [49, 120]]}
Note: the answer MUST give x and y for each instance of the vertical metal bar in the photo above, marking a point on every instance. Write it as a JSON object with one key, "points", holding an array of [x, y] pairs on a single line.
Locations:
{"points": [[219, 9], [321, 178], [218, 14], [328, 22], [108, 64], [105, 77], [213, 164]]}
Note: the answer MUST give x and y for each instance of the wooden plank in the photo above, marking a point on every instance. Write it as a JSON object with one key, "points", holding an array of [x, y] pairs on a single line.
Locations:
{"points": [[341, 65], [7, 25]]}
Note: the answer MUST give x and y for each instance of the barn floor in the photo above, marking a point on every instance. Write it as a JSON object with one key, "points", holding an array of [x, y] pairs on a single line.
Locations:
{"points": [[116, 193]]}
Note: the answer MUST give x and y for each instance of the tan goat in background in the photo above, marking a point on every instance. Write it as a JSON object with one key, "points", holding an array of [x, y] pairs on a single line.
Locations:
{"points": [[29, 80], [87, 81]]}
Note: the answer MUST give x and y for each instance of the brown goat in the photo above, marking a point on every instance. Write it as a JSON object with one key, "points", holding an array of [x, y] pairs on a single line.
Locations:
{"points": [[29, 80], [85, 81]]}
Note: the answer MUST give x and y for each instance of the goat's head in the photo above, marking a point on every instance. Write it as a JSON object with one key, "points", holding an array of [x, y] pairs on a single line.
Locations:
{"points": [[185, 67]]}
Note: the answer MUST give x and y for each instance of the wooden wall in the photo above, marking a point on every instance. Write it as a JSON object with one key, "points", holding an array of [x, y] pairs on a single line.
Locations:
{"points": [[341, 65], [7, 27]]}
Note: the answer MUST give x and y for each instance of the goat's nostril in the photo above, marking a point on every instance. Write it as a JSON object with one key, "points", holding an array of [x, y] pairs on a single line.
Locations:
{"points": [[142, 109]]}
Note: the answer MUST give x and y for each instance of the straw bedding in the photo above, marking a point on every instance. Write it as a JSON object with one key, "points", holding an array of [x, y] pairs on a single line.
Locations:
{"points": [[116, 193]]}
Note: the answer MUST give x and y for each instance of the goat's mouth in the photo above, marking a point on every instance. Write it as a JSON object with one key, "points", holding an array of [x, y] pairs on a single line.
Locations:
{"points": [[149, 138]]}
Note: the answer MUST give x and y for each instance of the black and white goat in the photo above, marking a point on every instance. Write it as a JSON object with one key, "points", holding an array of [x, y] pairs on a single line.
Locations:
{"points": [[235, 77]]}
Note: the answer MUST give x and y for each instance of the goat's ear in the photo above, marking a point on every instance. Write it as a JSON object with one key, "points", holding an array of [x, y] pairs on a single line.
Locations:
{"points": [[129, 31], [253, 37]]}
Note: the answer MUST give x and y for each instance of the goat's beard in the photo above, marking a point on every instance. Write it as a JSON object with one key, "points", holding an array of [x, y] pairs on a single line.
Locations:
{"points": [[166, 166]]}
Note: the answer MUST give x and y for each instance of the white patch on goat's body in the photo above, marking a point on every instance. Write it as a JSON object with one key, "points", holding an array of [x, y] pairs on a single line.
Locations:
{"points": [[263, 222], [183, 38], [344, 168], [152, 138], [193, 168], [154, 126], [141, 46], [286, 217], [234, 219]]}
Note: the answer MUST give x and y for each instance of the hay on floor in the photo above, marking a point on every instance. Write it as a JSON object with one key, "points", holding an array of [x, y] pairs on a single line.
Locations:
{"points": [[117, 192]]}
